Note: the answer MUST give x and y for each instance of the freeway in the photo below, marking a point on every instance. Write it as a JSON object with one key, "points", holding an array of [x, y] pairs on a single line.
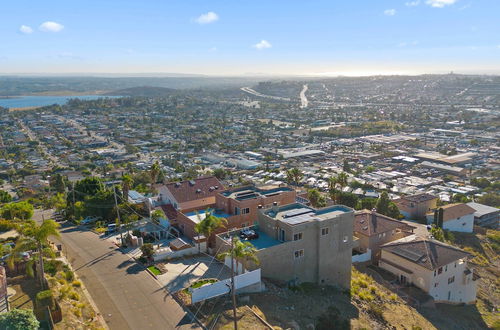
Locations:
{"points": [[126, 295]]}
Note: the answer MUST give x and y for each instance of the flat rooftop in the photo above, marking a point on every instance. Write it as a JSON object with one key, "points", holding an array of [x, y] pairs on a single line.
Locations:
{"points": [[263, 242], [197, 216], [253, 192], [294, 214]]}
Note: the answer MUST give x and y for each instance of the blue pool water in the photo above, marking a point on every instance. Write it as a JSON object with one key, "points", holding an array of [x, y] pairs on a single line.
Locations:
{"points": [[39, 101]]}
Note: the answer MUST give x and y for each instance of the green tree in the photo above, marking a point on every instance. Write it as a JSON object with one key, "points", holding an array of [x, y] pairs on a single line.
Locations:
{"points": [[220, 173], [460, 198], [209, 224], [437, 233], [5, 197], [242, 252], [316, 198], [57, 182], [348, 199], [33, 237], [346, 167], [382, 205], [156, 215], [491, 199], [86, 187], [294, 175], [366, 203], [148, 251], [127, 183], [154, 172], [20, 210], [19, 319]]}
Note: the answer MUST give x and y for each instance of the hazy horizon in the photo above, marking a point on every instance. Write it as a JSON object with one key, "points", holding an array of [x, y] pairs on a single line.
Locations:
{"points": [[292, 38]]}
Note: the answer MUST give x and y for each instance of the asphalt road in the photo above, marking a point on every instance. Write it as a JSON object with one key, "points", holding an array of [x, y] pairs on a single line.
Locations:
{"points": [[125, 294]]}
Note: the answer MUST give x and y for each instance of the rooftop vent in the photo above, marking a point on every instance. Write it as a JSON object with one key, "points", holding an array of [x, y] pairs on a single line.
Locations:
{"points": [[260, 206], [216, 187], [362, 221], [198, 191], [211, 188], [365, 228], [177, 184], [192, 182]]}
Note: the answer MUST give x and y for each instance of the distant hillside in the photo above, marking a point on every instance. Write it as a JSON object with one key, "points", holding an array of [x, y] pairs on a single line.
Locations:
{"points": [[147, 91]]}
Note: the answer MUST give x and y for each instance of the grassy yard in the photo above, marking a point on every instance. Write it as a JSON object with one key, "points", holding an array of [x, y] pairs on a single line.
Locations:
{"points": [[154, 270]]}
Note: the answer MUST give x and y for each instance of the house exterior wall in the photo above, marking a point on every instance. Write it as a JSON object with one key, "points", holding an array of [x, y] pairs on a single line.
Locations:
{"points": [[377, 240], [490, 220], [416, 210], [326, 259], [463, 224], [461, 290]]}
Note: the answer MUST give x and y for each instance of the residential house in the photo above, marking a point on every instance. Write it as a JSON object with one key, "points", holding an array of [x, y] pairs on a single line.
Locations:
{"points": [[456, 217], [438, 269], [299, 244], [416, 206], [239, 206], [374, 229], [485, 216]]}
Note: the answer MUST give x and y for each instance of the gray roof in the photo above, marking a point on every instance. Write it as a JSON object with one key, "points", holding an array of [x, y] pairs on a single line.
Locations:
{"points": [[482, 209]]}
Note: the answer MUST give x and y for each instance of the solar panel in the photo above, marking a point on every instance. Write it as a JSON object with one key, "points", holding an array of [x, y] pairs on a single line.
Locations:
{"points": [[298, 219], [413, 256], [296, 212]]}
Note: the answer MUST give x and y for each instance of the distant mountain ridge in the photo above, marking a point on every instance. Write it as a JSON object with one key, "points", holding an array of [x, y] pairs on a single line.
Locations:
{"points": [[147, 91]]}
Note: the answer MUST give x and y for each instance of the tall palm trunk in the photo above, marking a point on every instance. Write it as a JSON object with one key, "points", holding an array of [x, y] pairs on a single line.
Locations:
{"points": [[41, 273]]}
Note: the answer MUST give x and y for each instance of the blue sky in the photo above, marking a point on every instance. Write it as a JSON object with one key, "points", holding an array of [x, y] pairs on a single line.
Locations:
{"points": [[231, 37]]}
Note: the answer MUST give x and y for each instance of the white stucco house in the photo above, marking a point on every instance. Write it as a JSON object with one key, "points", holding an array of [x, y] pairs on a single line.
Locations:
{"points": [[438, 269], [456, 217]]}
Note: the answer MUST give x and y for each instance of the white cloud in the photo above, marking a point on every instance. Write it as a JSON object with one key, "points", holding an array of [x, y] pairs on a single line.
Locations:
{"points": [[440, 3], [390, 12], [25, 29], [263, 44], [51, 27], [412, 3], [207, 18]]}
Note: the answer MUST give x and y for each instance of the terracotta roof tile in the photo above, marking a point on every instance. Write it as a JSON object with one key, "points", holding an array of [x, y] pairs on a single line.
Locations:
{"points": [[371, 223], [191, 190]]}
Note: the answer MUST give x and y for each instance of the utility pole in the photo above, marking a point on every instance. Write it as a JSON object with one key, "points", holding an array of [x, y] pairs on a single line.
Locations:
{"points": [[118, 214], [73, 190], [233, 291]]}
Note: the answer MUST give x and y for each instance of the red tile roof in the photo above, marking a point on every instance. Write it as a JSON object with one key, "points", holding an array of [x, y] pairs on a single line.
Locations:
{"points": [[169, 211], [191, 190]]}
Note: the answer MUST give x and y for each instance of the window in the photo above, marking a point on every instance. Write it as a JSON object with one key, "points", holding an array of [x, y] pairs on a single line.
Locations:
{"points": [[446, 268], [440, 270], [245, 224], [236, 210], [245, 210], [346, 239], [299, 254], [451, 280], [434, 273], [325, 231], [436, 284], [297, 237], [455, 264]]}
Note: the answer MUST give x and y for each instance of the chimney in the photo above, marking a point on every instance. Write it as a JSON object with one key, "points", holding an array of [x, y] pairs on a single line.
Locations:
{"points": [[275, 207]]}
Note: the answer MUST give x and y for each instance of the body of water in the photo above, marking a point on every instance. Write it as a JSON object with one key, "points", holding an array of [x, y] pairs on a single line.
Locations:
{"points": [[39, 101]]}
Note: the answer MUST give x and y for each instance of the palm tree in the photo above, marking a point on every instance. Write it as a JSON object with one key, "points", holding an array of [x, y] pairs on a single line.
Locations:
{"points": [[154, 172], [35, 237], [208, 225], [127, 183], [243, 251], [294, 176], [342, 180]]}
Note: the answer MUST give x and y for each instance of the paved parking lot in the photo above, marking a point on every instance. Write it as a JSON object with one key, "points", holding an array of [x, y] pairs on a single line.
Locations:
{"points": [[184, 271]]}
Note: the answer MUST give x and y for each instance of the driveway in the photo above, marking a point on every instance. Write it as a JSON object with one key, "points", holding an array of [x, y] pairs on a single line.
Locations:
{"points": [[184, 271], [125, 294]]}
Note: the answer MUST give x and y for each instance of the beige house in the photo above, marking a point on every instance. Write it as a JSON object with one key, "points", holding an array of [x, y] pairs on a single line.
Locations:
{"points": [[373, 230], [299, 244], [416, 206], [438, 269]]}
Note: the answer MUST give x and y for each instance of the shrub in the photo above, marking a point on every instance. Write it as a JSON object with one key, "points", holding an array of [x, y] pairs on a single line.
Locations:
{"points": [[69, 275], [44, 298], [19, 319], [77, 284], [52, 266], [77, 312], [74, 295], [331, 319]]}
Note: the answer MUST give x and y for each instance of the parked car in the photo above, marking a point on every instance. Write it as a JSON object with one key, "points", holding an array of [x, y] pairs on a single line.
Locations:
{"points": [[88, 220], [248, 234]]}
